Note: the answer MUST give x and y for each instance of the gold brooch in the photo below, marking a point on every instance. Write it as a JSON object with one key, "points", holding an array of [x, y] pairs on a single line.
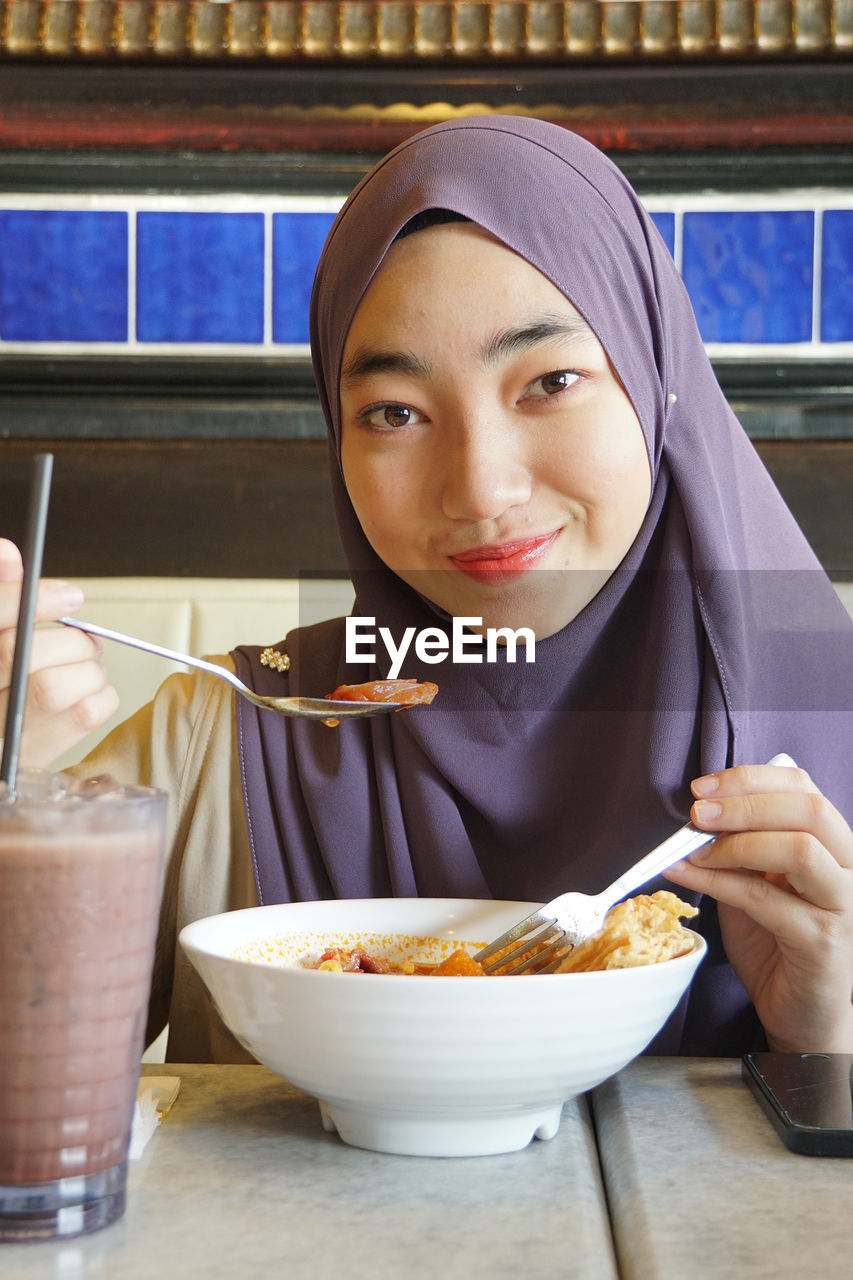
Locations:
{"points": [[272, 658]]}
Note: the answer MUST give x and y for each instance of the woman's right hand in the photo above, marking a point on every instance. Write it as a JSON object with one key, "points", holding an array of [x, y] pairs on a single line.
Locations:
{"points": [[68, 693]]}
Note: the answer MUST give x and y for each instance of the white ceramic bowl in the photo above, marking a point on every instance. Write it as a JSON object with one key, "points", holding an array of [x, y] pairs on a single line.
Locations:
{"points": [[418, 1065]]}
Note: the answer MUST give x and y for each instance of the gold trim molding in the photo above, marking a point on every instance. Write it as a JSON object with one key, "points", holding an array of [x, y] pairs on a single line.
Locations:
{"points": [[377, 31]]}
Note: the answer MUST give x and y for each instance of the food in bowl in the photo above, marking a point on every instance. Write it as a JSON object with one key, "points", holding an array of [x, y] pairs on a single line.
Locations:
{"points": [[364, 951], [645, 929], [426, 1068], [459, 964]]}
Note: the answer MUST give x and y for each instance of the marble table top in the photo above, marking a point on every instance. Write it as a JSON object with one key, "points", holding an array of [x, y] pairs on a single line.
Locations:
{"points": [[240, 1181], [701, 1187]]}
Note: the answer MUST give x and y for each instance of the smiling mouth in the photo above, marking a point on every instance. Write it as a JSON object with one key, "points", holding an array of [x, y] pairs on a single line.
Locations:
{"points": [[506, 560]]}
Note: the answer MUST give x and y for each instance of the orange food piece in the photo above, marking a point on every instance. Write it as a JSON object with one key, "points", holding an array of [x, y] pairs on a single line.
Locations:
{"points": [[458, 965], [406, 692]]}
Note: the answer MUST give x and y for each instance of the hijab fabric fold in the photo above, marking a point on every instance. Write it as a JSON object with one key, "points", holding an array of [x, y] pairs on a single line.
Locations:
{"points": [[719, 640]]}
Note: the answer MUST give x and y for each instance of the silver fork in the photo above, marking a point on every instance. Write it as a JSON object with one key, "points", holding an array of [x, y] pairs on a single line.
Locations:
{"points": [[569, 919], [308, 708]]}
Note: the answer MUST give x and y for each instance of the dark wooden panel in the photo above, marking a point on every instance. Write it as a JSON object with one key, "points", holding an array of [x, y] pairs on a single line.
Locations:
{"points": [[816, 480], [262, 508], [188, 508]]}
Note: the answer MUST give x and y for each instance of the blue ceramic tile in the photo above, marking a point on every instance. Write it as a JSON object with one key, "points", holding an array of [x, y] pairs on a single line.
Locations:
{"points": [[665, 223], [749, 274], [297, 239], [200, 277], [63, 276], [836, 305]]}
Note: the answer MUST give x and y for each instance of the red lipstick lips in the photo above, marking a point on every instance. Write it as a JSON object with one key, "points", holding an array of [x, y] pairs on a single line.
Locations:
{"points": [[505, 561]]}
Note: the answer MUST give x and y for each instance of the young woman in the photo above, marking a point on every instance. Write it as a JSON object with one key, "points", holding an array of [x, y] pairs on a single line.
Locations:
{"points": [[526, 432]]}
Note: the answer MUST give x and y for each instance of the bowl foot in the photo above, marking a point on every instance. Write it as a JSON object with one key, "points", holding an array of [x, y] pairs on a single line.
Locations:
{"points": [[406, 1135]]}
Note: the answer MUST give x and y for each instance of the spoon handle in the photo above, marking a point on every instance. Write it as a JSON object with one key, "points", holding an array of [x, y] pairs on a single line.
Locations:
{"points": [[160, 650], [307, 708]]}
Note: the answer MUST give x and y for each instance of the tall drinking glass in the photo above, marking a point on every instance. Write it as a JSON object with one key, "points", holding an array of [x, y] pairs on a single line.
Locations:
{"points": [[80, 867]]}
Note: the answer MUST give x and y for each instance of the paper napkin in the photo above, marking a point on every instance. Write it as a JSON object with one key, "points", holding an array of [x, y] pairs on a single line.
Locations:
{"points": [[154, 1098]]}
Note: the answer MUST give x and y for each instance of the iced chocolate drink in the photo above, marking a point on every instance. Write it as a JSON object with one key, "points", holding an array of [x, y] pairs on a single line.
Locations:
{"points": [[79, 890]]}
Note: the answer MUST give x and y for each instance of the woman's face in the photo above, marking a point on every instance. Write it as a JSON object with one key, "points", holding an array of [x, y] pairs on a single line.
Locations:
{"points": [[493, 459]]}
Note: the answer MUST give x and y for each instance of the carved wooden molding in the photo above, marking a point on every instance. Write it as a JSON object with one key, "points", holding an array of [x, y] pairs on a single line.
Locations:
{"points": [[383, 31]]}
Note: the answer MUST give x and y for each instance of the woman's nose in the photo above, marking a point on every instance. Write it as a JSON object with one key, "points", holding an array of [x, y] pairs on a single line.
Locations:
{"points": [[485, 473]]}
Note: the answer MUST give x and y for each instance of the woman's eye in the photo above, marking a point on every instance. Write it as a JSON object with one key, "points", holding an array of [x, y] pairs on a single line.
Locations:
{"points": [[386, 417], [552, 383]]}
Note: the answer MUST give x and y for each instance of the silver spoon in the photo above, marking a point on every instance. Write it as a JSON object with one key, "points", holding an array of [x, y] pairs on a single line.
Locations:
{"points": [[308, 708]]}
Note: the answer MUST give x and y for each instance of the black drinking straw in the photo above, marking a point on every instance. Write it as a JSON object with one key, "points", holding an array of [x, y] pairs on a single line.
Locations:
{"points": [[33, 553]]}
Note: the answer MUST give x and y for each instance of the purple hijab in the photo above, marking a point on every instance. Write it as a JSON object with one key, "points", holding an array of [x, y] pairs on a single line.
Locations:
{"points": [[719, 640]]}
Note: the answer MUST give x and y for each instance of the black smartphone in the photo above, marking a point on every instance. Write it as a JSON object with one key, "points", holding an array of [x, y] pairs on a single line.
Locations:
{"points": [[808, 1098]]}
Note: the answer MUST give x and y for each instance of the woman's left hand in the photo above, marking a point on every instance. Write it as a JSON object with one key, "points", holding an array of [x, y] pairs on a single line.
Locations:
{"points": [[781, 870]]}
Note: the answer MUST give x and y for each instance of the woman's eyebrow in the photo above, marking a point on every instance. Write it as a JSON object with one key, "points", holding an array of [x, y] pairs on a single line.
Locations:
{"points": [[365, 362], [509, 341]]}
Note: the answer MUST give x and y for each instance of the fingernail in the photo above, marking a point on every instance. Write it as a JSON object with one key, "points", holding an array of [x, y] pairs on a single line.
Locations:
{"points": [[707, 810], [705, 786], [70, 596]]}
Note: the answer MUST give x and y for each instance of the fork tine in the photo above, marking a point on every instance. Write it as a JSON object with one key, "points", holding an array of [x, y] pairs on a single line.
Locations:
{"points": [[520, 930], [554, 965], [532, 949], [509, 961], [546, 960], [540, 953]]}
